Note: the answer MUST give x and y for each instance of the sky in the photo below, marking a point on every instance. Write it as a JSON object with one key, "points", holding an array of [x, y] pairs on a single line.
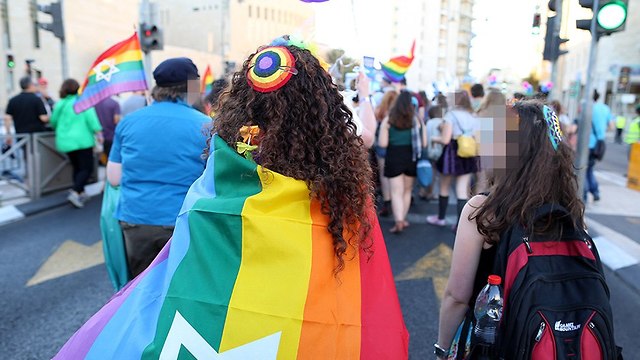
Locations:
{"points": [[502, 28]]}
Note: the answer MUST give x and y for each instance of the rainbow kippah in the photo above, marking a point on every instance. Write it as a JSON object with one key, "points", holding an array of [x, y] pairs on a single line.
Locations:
{"points": [[271, 68]]}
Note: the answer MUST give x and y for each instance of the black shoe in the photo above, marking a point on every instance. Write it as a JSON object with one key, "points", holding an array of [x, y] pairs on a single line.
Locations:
{"points": [[596, 197]]}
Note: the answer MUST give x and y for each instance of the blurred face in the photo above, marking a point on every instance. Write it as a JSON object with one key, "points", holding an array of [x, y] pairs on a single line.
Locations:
{"points": [[193, 91], [499, 148], [43, 88]]}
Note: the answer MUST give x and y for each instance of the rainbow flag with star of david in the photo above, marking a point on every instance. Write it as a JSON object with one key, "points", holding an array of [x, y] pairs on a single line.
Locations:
{"points": [[249, 274], [117, 70]]}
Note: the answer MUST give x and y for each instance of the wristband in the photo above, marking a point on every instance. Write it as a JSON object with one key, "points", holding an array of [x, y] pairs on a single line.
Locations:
{"points": [[440, 352]]}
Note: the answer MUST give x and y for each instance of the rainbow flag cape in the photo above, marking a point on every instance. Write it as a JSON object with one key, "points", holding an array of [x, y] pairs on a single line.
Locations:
{"points": [[207, 81], [249, 274], [117, 70], [396, 67]]}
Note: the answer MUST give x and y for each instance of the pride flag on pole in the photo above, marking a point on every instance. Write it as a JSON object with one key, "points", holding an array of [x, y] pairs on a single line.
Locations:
{"points": [[396, 67], [249, 274], [117, 70], [207, 81]]}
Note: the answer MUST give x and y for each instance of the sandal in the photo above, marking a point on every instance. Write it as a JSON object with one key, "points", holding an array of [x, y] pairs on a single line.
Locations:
{"points": [[398, 228]]}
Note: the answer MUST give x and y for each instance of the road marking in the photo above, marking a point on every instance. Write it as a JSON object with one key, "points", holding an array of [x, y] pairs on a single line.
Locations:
{"points": [[9, 214], [616, 250], [611, 255], [435, 265], [69, 258]]}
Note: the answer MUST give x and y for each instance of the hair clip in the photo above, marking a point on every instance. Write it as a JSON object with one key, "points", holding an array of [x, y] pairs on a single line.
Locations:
{"points": [[553, 126], [271, 68], [248, 143]]}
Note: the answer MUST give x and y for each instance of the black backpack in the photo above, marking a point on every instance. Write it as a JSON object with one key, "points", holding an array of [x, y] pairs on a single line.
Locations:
{"points": [[556, 298]]}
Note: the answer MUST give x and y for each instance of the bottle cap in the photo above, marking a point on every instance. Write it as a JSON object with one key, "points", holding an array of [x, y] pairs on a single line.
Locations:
{"points": [[495, 280]]}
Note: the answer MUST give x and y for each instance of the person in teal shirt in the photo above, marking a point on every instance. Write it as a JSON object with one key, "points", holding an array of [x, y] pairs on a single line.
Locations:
{"points": [[600, 118], [76, 136]]}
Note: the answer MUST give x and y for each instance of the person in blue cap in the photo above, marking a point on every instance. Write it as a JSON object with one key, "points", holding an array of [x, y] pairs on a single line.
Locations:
{"points": [[155, 157]]}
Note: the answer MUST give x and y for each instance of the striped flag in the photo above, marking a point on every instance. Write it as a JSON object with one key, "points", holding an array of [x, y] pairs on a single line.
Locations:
{"points": [[207, 81], [249, 274], [396, 67], [117, 70]]}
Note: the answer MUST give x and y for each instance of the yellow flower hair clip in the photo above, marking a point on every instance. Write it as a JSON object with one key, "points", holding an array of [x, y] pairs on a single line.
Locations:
{"points": [[249, 143]]}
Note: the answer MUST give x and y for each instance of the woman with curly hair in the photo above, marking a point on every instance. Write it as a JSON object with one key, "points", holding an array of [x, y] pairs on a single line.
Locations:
{"points": [[277, 252]]}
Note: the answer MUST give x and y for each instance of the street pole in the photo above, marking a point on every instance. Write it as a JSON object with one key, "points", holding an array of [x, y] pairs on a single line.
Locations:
{"points": [[64, 61], [584, 128], [554, 65], [145, 17]]}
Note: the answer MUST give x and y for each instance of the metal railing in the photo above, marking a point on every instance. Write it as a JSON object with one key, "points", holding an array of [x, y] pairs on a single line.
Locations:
{"points": [[33, 164]]}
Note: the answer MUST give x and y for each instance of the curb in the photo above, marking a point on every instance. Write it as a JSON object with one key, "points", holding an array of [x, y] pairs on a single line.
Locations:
{"points": [[12, 213]]}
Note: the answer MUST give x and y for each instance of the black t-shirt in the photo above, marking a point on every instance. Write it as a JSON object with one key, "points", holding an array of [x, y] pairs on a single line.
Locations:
{"points": [[25, 109]]}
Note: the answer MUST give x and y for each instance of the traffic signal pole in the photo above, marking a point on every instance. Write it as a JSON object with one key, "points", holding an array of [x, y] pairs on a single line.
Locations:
{"points": [[145, 18], [554, 91], [584, 128]]}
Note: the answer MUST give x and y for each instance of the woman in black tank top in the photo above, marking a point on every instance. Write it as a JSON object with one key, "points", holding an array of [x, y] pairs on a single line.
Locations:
{"points": [[529, 165]]}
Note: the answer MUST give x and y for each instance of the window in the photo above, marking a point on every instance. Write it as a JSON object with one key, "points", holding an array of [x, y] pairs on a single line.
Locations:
{"points": [[249, 10], [258, 12]]}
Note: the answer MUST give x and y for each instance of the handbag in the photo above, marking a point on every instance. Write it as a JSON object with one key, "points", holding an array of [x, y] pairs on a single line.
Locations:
{"points": [[462, 345], [424, 172], [598, 151], [467, 146]]}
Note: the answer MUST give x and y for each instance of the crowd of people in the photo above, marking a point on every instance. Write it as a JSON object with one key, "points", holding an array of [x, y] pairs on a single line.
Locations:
{"points": [[282, 113]]}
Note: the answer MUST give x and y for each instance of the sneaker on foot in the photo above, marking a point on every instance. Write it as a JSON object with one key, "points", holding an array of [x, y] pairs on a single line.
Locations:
{"points": [[433, 220], [75, 200], [596, 197]]}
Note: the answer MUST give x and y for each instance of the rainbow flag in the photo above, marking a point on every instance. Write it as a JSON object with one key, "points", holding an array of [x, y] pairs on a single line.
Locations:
{"points": [[207, 81], [396, 67], [248, 274], [117, 70]]}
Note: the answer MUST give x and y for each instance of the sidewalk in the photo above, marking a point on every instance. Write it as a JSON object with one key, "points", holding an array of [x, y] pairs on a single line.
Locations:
{"points": [[15, 204]]}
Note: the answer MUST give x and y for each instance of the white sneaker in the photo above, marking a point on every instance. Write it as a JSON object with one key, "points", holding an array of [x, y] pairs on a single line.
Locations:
{"points": [[75, 199]]}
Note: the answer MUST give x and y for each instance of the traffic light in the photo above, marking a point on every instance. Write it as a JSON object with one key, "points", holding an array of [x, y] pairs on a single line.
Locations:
{"points": [[552, 42], [56, 26], [11, 62], [610, 17], [150, 37], [536, 24]]}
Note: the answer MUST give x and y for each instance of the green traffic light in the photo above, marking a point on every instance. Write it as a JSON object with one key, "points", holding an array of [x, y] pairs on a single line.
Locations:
{"points": [[612, 15], [11, 64]]}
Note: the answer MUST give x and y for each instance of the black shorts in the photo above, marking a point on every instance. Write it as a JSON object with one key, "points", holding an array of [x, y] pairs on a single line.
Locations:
{"points": [[398, 161]]}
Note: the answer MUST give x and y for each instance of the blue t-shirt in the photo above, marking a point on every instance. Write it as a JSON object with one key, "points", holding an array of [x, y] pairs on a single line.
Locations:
{"points": [[160, 148], [601, 115]]}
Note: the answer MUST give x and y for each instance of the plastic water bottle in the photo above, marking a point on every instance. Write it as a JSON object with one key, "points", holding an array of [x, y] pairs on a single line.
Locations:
{"points": [[488, 312]]}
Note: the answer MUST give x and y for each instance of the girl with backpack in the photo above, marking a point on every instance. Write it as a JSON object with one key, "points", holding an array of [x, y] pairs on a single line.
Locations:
{"points": [[532, 209]]}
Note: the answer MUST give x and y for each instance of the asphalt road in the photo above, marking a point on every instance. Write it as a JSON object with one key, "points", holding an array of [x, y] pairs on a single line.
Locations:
{"points": [[38, 319]]}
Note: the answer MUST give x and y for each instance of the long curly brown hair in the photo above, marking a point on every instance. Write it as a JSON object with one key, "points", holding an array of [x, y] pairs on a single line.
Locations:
{"points": [[307, 133], [540, 175]]}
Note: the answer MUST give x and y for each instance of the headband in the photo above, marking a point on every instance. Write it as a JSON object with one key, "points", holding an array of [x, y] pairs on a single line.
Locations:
{"points": [[271, 68], [553, 126]]}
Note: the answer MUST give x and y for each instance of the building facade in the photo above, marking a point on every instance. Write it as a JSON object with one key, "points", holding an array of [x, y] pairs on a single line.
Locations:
{"points": [[442, 30], [210, 32], [614, 52]]}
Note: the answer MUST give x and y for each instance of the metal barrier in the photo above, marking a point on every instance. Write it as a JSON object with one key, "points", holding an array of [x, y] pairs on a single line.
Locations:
{"points": [[33, 164]]}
